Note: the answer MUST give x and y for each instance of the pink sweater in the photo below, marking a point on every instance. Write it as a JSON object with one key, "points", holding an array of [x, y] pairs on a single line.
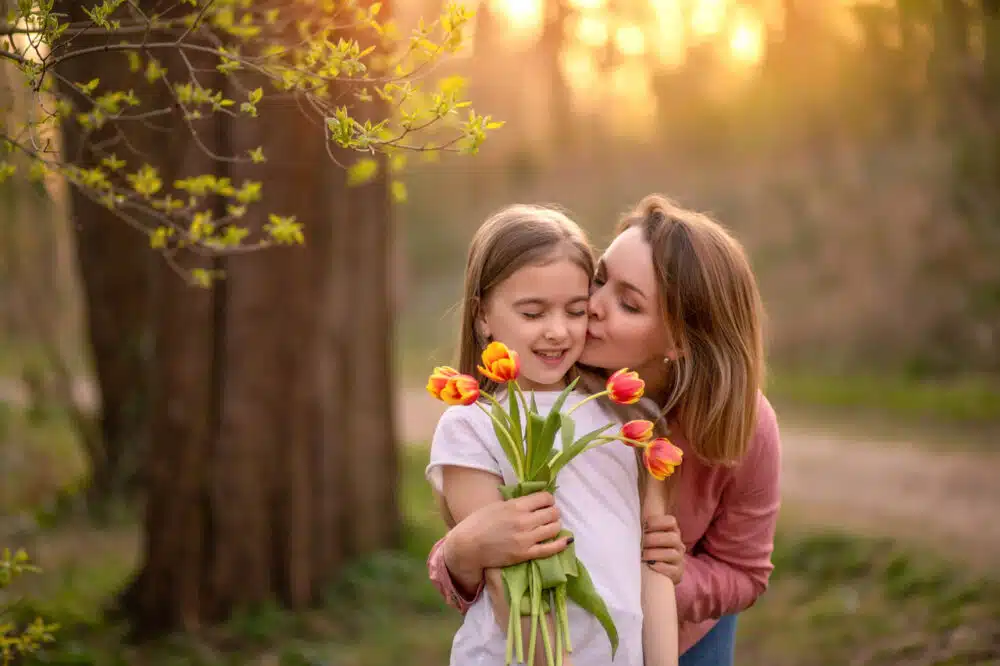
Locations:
{"points": [[727, 518]]}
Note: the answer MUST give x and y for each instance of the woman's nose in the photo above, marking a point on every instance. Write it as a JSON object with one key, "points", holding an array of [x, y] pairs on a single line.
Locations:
{"points": [[595, 306]]}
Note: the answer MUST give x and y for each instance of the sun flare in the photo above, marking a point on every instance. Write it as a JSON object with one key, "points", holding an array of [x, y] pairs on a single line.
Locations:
{"points": [[746, 41]]}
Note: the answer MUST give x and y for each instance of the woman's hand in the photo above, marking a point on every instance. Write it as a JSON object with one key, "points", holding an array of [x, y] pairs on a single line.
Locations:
{"points": [[662, 547], [503, 533]]}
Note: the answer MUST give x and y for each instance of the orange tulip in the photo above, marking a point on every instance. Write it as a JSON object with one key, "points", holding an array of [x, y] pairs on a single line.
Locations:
{"points": [[624, 387], [639, 431], [500, 363], [439, 379], [460, 390], [661, 458]]}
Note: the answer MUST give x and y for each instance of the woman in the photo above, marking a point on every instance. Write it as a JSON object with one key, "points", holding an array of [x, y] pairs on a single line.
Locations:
{"points": [[675, 299]]}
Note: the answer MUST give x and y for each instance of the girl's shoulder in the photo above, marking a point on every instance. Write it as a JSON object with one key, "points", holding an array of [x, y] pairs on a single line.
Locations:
{"points": [[462, 416]]}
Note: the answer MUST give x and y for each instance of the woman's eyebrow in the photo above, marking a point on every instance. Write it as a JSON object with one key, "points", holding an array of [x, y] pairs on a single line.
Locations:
{"points": [[631, 287]]}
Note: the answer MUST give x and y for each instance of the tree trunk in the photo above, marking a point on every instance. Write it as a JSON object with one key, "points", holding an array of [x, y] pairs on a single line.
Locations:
{"points": [[115, 264], [551, 44], [273, 456]]}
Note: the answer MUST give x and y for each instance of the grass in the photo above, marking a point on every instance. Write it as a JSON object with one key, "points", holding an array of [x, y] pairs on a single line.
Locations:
{"points": [[39, 455], [835, 599], [961, 400], [953, 414]]}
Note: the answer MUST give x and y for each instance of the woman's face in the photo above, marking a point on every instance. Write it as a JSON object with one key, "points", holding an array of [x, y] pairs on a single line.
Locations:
{"points": [[627, 325]]}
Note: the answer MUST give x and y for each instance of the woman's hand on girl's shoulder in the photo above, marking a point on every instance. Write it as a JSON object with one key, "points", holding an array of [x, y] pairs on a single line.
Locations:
{"points": [[662, 547]]}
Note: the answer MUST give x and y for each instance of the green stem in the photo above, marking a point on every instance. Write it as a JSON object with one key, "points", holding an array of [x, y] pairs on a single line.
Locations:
{"points": [[508, 658], [518, 462], [611, 438], [536, 599], [564, 616], [546, 640], [520, 394], [585, 401], [557, 627]]}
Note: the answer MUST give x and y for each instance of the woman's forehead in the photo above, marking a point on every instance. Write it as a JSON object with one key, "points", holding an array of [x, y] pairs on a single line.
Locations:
{"points": [[629, 254]]}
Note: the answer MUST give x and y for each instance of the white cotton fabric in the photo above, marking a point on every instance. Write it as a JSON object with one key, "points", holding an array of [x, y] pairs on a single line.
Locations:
{"points": [[598, 498]]}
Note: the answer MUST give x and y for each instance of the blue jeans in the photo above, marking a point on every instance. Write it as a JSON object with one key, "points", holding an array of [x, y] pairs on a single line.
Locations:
{"points": [[716, 648]]}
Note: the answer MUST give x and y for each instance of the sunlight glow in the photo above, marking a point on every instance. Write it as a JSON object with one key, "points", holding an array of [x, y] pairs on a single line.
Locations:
{"points": [[587, 4], [523, 16], [666, 36], [666, 33], [592, 31], [630, 40], [746, 40], [709, 17]]}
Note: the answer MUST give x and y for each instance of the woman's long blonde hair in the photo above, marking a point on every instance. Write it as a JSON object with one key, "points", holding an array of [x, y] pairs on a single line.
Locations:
{"points": [[516, 236], [714, 313]]}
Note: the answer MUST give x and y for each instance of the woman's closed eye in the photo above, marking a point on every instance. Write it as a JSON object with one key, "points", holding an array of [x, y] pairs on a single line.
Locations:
{"points": [[628, 307]]}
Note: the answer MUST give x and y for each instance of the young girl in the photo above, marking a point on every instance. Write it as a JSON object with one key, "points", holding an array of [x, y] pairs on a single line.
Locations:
{"points": [[527, 285]]}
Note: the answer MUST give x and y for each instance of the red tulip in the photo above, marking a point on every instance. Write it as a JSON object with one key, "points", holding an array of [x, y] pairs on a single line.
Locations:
{"points": [[439, 379], [500, 363], [661, 458], [624, 387], [639, 430], [460, 390]]}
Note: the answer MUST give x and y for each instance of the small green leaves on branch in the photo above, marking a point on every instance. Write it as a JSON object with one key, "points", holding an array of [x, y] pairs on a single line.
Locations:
{"points": [[19, 639], [365, 86]]}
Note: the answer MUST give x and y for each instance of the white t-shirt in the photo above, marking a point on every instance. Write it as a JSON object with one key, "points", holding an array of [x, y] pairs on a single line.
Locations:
{"points": [[597, 495]]}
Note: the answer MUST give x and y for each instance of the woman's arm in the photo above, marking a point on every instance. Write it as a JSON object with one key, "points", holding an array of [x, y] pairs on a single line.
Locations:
{"points": [[731, 564], [659, 604], [466, 491]]}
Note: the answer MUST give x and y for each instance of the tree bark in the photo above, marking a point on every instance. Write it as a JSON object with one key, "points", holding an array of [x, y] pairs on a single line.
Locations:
{"points": [[115, 264], [273, 457]]}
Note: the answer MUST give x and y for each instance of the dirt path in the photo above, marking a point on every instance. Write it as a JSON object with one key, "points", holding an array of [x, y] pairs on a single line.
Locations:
{"points": [[949, 501]]}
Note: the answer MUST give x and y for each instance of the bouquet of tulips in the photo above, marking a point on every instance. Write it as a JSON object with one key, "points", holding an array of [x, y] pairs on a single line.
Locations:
{"points": [[538, 587]]}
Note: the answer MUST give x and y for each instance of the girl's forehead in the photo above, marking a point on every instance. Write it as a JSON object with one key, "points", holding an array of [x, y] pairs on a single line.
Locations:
{"points": [[560, 277]]}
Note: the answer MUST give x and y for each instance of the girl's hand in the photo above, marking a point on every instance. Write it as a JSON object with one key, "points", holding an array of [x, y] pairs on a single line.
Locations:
{"points": [[503, 533], [662, 547]]}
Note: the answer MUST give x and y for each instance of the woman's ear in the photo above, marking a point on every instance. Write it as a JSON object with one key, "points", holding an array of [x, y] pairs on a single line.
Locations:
{"points": [[675, 346]]}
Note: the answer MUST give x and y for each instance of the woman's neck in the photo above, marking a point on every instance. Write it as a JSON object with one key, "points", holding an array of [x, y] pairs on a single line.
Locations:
{"points": [[656, 377]]}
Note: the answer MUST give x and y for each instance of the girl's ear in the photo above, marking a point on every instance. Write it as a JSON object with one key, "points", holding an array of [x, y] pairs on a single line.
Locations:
{"points": [[481, 322]]}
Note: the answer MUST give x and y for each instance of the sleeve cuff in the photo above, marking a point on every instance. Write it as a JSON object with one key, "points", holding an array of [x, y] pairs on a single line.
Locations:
{"points": [[445, 584]]}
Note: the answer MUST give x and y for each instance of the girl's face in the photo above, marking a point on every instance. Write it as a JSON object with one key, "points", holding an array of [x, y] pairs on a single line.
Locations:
{"points": [[541, 313], [627, 326]]}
